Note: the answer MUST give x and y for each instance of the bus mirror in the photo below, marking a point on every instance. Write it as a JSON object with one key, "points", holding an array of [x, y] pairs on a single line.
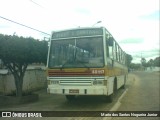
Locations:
{"points": [[110, 41]]}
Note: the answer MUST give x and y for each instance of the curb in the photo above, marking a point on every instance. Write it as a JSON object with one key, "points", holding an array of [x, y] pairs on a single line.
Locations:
{"points": [[116, 105]]}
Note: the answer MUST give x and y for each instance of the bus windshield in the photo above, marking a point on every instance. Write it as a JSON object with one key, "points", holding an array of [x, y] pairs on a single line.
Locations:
{"points": [[81, 52]]}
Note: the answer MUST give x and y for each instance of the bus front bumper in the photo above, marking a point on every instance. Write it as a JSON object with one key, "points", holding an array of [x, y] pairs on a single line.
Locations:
{"points": [[85, 90]]}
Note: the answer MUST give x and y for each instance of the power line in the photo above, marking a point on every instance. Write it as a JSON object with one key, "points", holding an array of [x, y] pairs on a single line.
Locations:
{"points": [[24, 25], [36, 3]]}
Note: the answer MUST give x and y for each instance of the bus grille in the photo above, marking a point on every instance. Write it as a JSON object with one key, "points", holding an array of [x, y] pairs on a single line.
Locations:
{"points": [[75, 80]]}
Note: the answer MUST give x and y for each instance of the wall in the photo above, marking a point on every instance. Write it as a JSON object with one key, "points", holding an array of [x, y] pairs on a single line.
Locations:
{"points": [[34, 79], [153, 69]]}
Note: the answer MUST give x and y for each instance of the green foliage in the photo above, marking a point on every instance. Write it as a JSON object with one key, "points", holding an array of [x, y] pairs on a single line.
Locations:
{"points": [[144, 62], [156, 62], [128, 60], [17, 52], [22, 50], [151, 63], [135, 66]]}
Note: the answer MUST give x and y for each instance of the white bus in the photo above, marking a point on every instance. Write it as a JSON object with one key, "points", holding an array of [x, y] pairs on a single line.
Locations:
{"points": [[85, 61]]}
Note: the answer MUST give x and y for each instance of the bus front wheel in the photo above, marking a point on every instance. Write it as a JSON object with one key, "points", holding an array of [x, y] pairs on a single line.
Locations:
{"points": [[70, 97], [110, 98], [124, 85]]}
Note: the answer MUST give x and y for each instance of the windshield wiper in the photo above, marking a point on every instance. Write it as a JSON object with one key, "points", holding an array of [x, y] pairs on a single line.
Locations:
{"points": [[83, 63], [75, 63], [62, 66]]}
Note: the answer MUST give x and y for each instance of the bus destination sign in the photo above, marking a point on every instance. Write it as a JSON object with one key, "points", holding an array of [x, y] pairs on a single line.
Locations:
{"points": [[77, 33]]}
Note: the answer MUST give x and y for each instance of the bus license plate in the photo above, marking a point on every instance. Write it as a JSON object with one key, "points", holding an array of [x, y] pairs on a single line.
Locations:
{"points": [[73, 91]]}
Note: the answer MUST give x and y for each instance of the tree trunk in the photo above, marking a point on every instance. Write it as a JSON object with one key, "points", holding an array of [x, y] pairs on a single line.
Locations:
{"points": [[18, 84], [18, 71]]}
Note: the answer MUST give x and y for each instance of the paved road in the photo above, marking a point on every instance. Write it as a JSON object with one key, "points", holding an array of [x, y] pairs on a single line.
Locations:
{"points": [[142, 95]]}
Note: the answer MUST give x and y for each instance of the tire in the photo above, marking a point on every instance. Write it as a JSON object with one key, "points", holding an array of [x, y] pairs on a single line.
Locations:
{"points": [[70, 97], [124, 86], [110, 97], [115, 86]]}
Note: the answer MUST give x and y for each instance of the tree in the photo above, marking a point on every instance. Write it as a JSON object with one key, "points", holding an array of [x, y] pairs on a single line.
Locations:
{"points": [[157, 61], [17, 52], [150, 63], [135, 66], [144, 62], [128, 59]]}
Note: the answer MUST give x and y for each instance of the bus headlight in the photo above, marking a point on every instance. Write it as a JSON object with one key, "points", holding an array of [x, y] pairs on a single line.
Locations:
{"points": [[98, 82], [48, 82]]}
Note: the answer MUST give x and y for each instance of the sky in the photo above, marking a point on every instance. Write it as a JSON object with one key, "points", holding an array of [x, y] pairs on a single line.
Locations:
{"points": [[133, 23]]}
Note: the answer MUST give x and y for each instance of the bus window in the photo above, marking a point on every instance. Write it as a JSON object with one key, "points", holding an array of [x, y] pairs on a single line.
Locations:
{"points": [[81, 52], [116, 52], [119, 54], [110, 42], [107, 47]]}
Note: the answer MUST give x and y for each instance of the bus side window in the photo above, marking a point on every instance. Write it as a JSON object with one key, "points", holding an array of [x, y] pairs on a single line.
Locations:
{"points": [[110, 47], [107, 49], [116, 51], [123, 60], [122, 56], [120, 60]]}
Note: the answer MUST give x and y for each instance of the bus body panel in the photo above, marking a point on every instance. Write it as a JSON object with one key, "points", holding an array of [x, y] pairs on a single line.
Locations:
{"points": [[94, 72], [110, 84], [78, 90]]}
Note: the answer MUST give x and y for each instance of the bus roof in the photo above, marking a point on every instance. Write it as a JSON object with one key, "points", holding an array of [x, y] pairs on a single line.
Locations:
{"points": [[78, 28]]}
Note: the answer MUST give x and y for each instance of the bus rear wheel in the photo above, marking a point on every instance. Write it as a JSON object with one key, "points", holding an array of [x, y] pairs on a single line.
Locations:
{"points": [[70, 97]]}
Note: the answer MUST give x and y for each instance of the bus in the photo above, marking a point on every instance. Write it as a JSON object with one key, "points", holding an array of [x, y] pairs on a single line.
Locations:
{"points": [[85, 61]]}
